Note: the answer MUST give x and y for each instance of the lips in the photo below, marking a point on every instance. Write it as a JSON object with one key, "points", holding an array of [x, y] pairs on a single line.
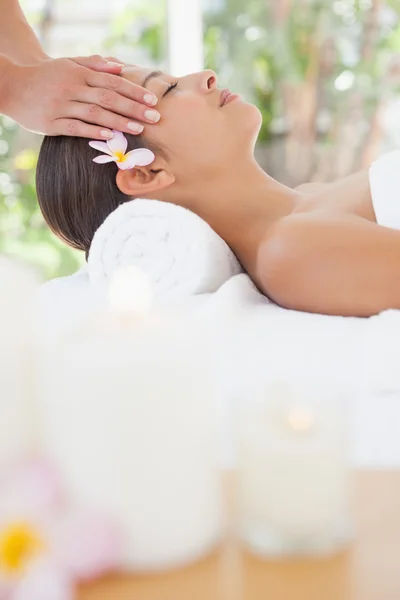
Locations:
{"points": [[224, 96]]}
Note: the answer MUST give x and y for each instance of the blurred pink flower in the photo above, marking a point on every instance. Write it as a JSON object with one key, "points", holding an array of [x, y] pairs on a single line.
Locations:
{"points": [[45, 580], [87, 545], [46, 545]]}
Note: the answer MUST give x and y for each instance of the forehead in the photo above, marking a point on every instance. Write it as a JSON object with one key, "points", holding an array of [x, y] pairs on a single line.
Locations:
{"points": [[138, 74]]}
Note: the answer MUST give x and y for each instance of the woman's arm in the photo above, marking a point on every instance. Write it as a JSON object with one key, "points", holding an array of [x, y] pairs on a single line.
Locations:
{"points": [[331, 264], [18, 42]]}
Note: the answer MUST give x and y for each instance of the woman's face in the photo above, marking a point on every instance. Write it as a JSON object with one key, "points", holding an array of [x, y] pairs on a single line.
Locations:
{"points": [[200, 136]]}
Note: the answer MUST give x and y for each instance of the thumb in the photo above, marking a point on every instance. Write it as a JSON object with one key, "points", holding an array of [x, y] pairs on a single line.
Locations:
{"points": [[98, 63]]}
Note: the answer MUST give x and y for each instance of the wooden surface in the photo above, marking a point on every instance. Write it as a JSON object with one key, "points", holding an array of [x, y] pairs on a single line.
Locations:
{"points": [[369, 570]]}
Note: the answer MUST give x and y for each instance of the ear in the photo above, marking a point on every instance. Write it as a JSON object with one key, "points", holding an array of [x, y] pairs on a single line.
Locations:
{"points": [[141, 181]]}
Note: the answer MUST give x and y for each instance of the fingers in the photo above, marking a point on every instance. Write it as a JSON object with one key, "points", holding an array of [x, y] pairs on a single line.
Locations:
{"points": [[114, 60], [106, 119], [101, 100], [79, 129], [98, 63], [122, 86], [96, 101]]}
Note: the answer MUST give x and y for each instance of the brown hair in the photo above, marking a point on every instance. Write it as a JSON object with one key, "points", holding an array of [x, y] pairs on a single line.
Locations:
{"points": [[75, 194]]}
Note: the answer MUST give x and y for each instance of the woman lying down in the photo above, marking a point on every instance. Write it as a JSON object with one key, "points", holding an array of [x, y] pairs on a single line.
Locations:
{"points": [[326, 248]]}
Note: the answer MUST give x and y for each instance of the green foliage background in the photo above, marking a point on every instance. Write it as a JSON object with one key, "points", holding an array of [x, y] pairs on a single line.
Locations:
{"points": [[265, 49]]}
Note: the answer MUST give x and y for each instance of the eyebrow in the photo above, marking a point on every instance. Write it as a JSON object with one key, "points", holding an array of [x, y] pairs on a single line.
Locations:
{"points": [[151, 76]]}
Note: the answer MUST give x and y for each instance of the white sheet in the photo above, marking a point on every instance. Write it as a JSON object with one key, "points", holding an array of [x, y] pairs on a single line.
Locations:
{"points": [[252, 339]]}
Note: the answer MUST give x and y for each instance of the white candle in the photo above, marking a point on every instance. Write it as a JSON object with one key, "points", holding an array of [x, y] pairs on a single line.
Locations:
{"points": [[292, 483], [127, 417], [17, 433]]}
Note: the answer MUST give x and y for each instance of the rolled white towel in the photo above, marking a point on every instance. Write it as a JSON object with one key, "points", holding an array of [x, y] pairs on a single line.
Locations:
{"points": [[178, 251]]}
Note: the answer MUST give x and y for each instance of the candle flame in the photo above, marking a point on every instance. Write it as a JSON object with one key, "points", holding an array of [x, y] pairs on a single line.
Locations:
{"points": [[301, 420], [130, 290]]}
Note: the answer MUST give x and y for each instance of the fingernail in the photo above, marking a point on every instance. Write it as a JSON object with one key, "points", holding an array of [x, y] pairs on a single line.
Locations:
{"points": [[106, 134], [137, 127], [152, 115], [114, 64], [150, 99]]}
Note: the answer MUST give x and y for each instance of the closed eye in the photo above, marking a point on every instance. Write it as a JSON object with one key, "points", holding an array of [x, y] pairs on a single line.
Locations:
{"points": [[171, 87]]}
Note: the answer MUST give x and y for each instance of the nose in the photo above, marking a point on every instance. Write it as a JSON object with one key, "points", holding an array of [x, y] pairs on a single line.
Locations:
{"points": [[208, 80]]}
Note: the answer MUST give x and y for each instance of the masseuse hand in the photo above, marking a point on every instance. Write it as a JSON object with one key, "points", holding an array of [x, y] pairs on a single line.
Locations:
{"points": [[82, 96]]}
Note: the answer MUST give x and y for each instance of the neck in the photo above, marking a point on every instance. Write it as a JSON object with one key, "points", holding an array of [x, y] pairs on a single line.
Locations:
{"points": [[240, 206]]}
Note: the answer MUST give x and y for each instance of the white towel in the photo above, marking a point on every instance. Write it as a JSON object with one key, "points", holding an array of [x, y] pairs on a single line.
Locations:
{"points": [[251, 339], [384, 177], [179, 252]]}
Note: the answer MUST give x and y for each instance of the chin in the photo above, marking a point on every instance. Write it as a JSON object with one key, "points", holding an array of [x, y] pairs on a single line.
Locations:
{"points": [[250, 119], [257, 115]]}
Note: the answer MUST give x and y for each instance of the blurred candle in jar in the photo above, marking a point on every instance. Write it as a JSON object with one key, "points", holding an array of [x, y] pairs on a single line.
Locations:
{"points": [[17, 432], [130, 293], [127, 417], [293, 476]]}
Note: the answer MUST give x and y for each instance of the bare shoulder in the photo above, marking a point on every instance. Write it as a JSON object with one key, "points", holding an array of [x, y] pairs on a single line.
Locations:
{"points": [[327, 262], [284, 240], [285, 243], [300, 237], [345, 185], [310, 188]]}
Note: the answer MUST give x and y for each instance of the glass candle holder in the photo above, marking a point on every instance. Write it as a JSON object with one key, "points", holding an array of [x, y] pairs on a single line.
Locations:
{"points": [[293, 484], [126, 415]]}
